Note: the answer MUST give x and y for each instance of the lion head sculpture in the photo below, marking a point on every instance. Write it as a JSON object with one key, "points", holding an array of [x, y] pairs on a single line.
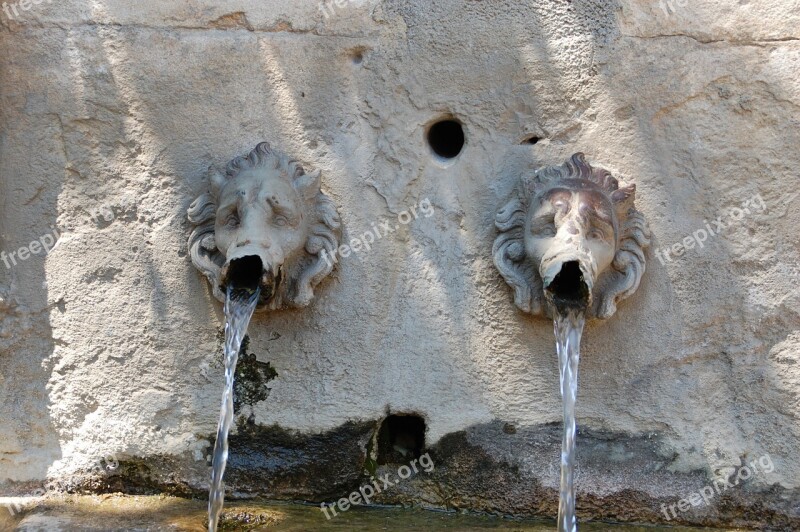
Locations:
{"points": [[265, 223], [570, 237]]}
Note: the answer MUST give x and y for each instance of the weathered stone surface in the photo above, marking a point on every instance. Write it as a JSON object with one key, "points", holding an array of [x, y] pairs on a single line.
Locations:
{"points": [[495, 468], [272, 462], [111, 113]]}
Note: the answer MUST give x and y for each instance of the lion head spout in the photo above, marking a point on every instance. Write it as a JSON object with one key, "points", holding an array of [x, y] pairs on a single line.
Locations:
{"points": [[570, 236], [265, 223]]}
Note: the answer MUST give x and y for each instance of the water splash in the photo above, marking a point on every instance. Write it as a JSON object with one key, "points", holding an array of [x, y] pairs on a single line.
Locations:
{"points": [[568, 328], [239, 308]]}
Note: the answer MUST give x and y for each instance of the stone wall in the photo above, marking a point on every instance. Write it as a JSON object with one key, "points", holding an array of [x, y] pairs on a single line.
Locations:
{"points": [[111, 113]]}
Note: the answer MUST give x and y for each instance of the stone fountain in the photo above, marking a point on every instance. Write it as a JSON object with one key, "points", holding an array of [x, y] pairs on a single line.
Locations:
{"points": [[572, 246], [260, 235]]}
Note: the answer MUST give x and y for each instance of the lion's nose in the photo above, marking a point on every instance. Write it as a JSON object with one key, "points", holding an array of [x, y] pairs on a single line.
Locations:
{"points": [[263, 242]]}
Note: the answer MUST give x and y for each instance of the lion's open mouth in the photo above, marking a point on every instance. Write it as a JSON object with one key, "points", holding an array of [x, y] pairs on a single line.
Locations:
{"points": [[248, 274], [569, 289]]}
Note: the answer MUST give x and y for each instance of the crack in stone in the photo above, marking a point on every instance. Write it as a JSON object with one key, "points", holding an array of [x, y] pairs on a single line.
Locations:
{"points": [[762, 42], [214, 25]]}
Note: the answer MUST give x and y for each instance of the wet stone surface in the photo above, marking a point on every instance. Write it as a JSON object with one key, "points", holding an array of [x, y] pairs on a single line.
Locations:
{"points": [[117, 513], [477, 470]]}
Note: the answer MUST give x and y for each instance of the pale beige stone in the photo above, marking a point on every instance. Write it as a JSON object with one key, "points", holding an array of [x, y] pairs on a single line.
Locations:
{"points": [[108, 342]]}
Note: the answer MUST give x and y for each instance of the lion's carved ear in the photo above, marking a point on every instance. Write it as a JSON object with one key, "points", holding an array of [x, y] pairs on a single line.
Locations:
{"points": [[326, 234], [528, 185], [308, 185], [624, 197], [217, 181]]}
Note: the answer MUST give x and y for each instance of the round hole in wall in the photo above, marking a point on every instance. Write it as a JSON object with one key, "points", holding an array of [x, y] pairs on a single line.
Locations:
{"points": [[358, 54], [531, 140], [446, 138]]}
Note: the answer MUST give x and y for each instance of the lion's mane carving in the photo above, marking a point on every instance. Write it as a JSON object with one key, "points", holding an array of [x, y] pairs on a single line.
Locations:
{"points": [[632, 237], [305, 268]]}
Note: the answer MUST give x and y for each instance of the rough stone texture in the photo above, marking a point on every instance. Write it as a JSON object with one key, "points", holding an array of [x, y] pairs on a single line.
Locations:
{"points": [[111, 112]]}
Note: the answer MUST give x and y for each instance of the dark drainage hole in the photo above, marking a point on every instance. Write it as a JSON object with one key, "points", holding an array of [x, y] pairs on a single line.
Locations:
{"points": [[531, 140], [446, 138], [401, 438]]}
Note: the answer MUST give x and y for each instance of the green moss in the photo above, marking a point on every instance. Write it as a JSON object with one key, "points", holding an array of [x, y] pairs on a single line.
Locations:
{"points": [[370, 464], [245, 520]]}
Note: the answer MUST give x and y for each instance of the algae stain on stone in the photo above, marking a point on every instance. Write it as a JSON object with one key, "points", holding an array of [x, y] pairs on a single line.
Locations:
{"points": [[371, 459], [252, 377]]}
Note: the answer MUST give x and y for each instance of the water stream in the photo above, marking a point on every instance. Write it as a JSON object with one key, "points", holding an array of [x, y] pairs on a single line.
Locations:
{"points": [[239, 308], [162, 512], [568, 327]]}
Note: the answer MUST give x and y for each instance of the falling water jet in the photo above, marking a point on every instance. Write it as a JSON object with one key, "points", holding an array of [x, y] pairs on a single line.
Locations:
{"points": [[243, 279], [570, 294], [240, 304], [568, 330]]}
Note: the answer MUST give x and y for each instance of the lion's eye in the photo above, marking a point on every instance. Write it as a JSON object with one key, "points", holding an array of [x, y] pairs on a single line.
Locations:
{"points": [[546, 231], [232, 220], [281, 221], [597, 234]]}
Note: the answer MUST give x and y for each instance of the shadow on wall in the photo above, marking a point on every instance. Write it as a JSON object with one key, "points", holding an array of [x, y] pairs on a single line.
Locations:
{"points": [[676, 130], [29, 440]]}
